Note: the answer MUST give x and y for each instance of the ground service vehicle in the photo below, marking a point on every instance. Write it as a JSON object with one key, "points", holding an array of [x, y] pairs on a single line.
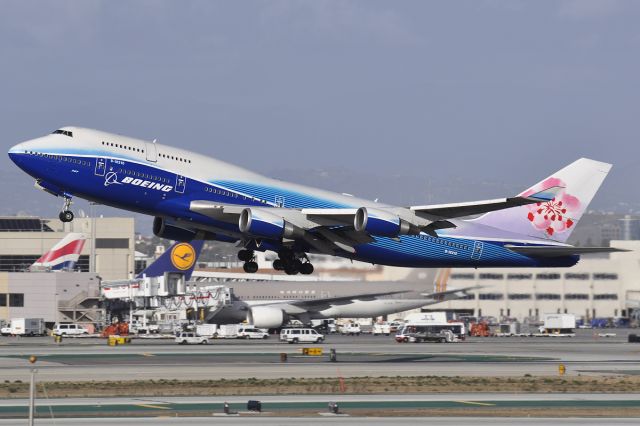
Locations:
{"points": [[25, 327], [252, 333], [208, 330], [431, 332], [190, 338], [352, 329], [301, 335], [559, 324], [379, 329], [69, 330]]}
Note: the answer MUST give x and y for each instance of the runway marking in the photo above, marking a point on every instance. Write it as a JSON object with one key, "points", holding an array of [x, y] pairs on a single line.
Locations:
{"points": [[474, 403], [147, 354], [153, 406]]}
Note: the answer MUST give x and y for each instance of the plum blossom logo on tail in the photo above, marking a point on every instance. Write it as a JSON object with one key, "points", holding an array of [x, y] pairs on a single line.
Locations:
{"points": [[552, 217]]}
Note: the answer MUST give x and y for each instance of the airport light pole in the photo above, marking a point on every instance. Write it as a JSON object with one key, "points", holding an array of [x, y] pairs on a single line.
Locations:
{"points": [[32, 389]]}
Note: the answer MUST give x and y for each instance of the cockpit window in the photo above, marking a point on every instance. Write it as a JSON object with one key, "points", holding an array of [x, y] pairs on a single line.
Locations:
{"points": [[63, 132]]}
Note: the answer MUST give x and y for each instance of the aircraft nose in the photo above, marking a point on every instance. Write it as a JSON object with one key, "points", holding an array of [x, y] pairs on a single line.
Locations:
{"points": [[16, 152]]}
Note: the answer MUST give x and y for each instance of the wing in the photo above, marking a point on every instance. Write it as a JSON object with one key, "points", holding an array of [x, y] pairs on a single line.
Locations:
{"points": [[451, 211], [559, 251], [332, 231]]}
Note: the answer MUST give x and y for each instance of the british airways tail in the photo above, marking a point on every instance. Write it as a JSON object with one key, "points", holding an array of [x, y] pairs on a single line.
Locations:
{"points": [[180, 257], [555, 219], [63, 256]]}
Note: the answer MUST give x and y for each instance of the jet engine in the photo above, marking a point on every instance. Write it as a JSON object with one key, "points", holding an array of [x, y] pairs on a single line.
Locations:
{"points": [[382, 223], [263, 223], [170, 231], [266, 317]]}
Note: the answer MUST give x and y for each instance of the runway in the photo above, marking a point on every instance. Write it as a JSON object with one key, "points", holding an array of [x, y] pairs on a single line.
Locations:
{"points": [[347, 421], [316, 406], [358, 356]]}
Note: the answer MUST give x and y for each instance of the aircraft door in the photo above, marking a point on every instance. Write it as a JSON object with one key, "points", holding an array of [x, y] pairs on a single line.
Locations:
{"points": [[477, 250], [101, 166], [152, 151], [181, 183]]}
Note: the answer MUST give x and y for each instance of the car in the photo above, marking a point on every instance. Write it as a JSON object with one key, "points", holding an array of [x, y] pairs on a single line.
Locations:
{"points": [[252, 333], [69, 330], [301, 335], [191, 338]]}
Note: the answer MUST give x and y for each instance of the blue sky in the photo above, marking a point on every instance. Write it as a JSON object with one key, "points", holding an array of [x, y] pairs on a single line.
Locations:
{"points": [[502, 91]]}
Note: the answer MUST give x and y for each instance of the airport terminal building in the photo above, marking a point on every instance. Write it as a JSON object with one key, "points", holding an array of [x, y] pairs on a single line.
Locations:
{"points": [[594, 288], [24, 239], [61, 296]]}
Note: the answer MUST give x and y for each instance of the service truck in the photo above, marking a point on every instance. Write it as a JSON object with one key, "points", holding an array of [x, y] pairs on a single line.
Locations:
{"points": [[27, 327], [227, 331], [559, 325], [208, 330]]}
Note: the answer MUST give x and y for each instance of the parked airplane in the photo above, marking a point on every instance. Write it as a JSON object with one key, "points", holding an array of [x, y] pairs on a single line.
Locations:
{"points": [[180, 257], [63, 256], [271, 306], [197, 197], [164, 277]]}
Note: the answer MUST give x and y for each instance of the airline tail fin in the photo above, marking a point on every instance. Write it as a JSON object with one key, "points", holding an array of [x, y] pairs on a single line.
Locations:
{"points": [[555, 219], [63, 256], [180, 257]]}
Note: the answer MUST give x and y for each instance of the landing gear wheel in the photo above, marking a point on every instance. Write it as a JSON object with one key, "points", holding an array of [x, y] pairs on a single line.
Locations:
{"points": [[291, 268], [306, 269], [278, 265], [245, 255], [66, 216], [250, 267]]}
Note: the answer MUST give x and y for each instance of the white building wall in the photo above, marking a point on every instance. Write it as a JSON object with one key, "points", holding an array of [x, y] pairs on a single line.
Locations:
{"points": [[612, 288]]}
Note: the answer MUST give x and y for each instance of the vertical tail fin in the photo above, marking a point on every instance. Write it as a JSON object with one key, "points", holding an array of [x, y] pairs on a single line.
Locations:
{"points": [[556, 219], [180, 257], [62, 256]]}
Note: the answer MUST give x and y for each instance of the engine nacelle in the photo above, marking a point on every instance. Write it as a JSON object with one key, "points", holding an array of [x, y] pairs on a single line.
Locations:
{"points": [[263, 223], [163, 229], [382, 223], [266, 317]]}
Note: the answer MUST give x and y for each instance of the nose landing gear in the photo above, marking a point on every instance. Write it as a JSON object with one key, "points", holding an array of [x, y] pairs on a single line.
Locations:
{"points": [[66, 215], [248, 257]]}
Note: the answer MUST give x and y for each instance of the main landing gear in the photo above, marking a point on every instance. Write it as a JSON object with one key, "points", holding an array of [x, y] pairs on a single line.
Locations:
{"points": [[292, 264], [288, 261], [248, 257], [66, 215]]}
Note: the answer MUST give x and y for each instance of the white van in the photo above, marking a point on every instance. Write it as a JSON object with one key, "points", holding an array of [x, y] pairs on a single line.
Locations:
{"points": [[252, 333], [300, 335], [191, 338], [69, 330]]}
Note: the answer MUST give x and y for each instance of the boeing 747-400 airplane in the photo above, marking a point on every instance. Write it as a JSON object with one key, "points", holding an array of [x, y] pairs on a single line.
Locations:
{"points": [[193, 196]]}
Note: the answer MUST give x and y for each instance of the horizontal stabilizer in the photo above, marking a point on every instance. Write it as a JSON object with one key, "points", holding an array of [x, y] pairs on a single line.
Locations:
{"points": [[559, 251]]}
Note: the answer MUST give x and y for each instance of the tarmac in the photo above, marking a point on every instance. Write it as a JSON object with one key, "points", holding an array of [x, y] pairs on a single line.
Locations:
{"points": [[82, 359], [373, 356]]}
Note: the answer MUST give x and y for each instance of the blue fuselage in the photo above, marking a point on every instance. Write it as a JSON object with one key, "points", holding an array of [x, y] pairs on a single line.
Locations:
{"points": [[122, 176]]}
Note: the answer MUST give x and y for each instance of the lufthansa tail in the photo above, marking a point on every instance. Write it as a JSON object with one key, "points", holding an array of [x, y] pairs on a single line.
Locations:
{"points": [[63, 256], [555, 219], [180, 257]]}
